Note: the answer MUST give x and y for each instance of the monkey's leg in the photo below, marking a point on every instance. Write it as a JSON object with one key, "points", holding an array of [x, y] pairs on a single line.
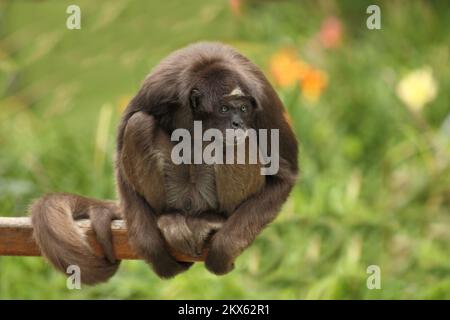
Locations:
{"points": [[241, 228], [144, 235]]}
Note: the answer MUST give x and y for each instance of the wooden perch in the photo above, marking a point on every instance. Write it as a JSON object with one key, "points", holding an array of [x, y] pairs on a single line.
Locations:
{"points": [[16, 239]]}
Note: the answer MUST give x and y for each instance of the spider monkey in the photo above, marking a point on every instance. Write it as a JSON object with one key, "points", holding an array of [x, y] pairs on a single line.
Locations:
{"points": [[187, 206]]}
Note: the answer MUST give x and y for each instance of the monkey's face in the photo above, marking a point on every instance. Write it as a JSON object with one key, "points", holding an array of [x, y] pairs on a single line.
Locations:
{"points": [[235, 112]]}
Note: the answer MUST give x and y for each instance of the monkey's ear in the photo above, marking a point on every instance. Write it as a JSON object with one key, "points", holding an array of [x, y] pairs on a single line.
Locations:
{"points": [[194, 98]]}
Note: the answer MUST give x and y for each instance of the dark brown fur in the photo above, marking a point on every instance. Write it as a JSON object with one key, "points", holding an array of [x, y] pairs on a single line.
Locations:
{"points": [[182, 205]]}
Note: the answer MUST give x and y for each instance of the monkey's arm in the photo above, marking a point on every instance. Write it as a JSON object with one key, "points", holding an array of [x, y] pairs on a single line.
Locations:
{"points": [[144, 235], [247, 221], [141, 193]]}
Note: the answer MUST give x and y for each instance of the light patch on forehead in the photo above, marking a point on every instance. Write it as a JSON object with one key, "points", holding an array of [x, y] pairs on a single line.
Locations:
{"points": [[236, 92]]}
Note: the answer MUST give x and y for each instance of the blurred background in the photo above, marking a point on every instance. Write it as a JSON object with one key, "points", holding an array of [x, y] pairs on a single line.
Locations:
{"points": [[371, 108]]}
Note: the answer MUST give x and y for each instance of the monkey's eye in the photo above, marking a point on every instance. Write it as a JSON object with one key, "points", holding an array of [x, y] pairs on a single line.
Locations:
{"points": [[224, 109], [244, 108]]}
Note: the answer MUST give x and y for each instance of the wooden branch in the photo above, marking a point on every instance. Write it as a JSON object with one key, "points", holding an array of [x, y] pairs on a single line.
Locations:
{"points": [[16, 239]]}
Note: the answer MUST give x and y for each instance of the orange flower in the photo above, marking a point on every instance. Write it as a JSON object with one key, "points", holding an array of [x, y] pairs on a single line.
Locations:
{"points": [[287, 68], [313, 83]]}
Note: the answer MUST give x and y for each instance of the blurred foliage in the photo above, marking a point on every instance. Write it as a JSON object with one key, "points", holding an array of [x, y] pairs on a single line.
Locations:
{"points": [[375, 183]]}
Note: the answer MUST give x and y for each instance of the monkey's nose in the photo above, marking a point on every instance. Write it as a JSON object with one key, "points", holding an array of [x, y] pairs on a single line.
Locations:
{"points": [[236, 124]]}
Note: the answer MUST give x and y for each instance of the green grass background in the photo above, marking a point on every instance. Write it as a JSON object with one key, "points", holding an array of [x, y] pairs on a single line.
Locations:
{"points": [[375, 182]]}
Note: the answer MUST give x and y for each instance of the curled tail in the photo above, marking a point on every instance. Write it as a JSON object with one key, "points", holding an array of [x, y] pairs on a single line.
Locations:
{"points": [[63, 243]]}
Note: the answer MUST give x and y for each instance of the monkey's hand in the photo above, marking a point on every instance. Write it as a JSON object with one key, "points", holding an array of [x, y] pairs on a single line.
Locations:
{"points": [[246, 223], [221, 256], [189, 235], [145, 237], [101, 217], [149, 243]]}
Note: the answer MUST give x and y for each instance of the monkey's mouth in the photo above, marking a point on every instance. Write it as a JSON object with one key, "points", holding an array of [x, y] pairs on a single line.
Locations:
{"points": [[235, 137]]}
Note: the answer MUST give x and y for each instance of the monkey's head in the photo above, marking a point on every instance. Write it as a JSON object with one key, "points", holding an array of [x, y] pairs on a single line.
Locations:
{"points": [[222, 101]]}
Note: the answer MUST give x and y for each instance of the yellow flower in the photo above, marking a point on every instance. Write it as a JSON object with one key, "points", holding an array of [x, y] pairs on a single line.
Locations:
{"points": [[287, 68], [313, 83], [417, 88], [123, 103]]}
